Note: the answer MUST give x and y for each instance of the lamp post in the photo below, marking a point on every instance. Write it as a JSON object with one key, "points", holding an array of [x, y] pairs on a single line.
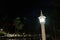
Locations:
{"points": [[42, 22]]}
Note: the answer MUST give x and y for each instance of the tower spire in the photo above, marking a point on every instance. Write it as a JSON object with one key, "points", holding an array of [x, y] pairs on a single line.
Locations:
{"points": [[41, 13]]}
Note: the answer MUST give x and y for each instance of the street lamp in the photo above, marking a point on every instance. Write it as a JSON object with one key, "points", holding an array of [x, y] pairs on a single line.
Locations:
{"points": [[42, 22]]}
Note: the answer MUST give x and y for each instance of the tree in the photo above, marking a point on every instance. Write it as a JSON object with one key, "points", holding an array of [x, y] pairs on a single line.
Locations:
{"points": [[18, 24], [4, 23]]}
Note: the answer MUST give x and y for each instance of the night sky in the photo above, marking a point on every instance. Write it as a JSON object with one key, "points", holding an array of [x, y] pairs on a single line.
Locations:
{"points": [[31, 10]]}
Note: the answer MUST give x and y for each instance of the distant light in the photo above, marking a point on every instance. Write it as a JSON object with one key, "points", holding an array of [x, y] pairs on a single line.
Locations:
{"points": [[1, 29]]}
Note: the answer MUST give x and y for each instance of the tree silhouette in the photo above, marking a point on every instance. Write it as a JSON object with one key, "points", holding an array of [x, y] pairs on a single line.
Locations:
{"points": [[18, 24]]}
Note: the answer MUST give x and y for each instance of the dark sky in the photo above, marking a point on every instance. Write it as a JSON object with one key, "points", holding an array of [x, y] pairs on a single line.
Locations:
{"points": [[31, 10]]}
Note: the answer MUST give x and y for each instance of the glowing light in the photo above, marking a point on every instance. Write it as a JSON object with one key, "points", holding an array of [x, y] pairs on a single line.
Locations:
{"points": [[42, 19]]}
